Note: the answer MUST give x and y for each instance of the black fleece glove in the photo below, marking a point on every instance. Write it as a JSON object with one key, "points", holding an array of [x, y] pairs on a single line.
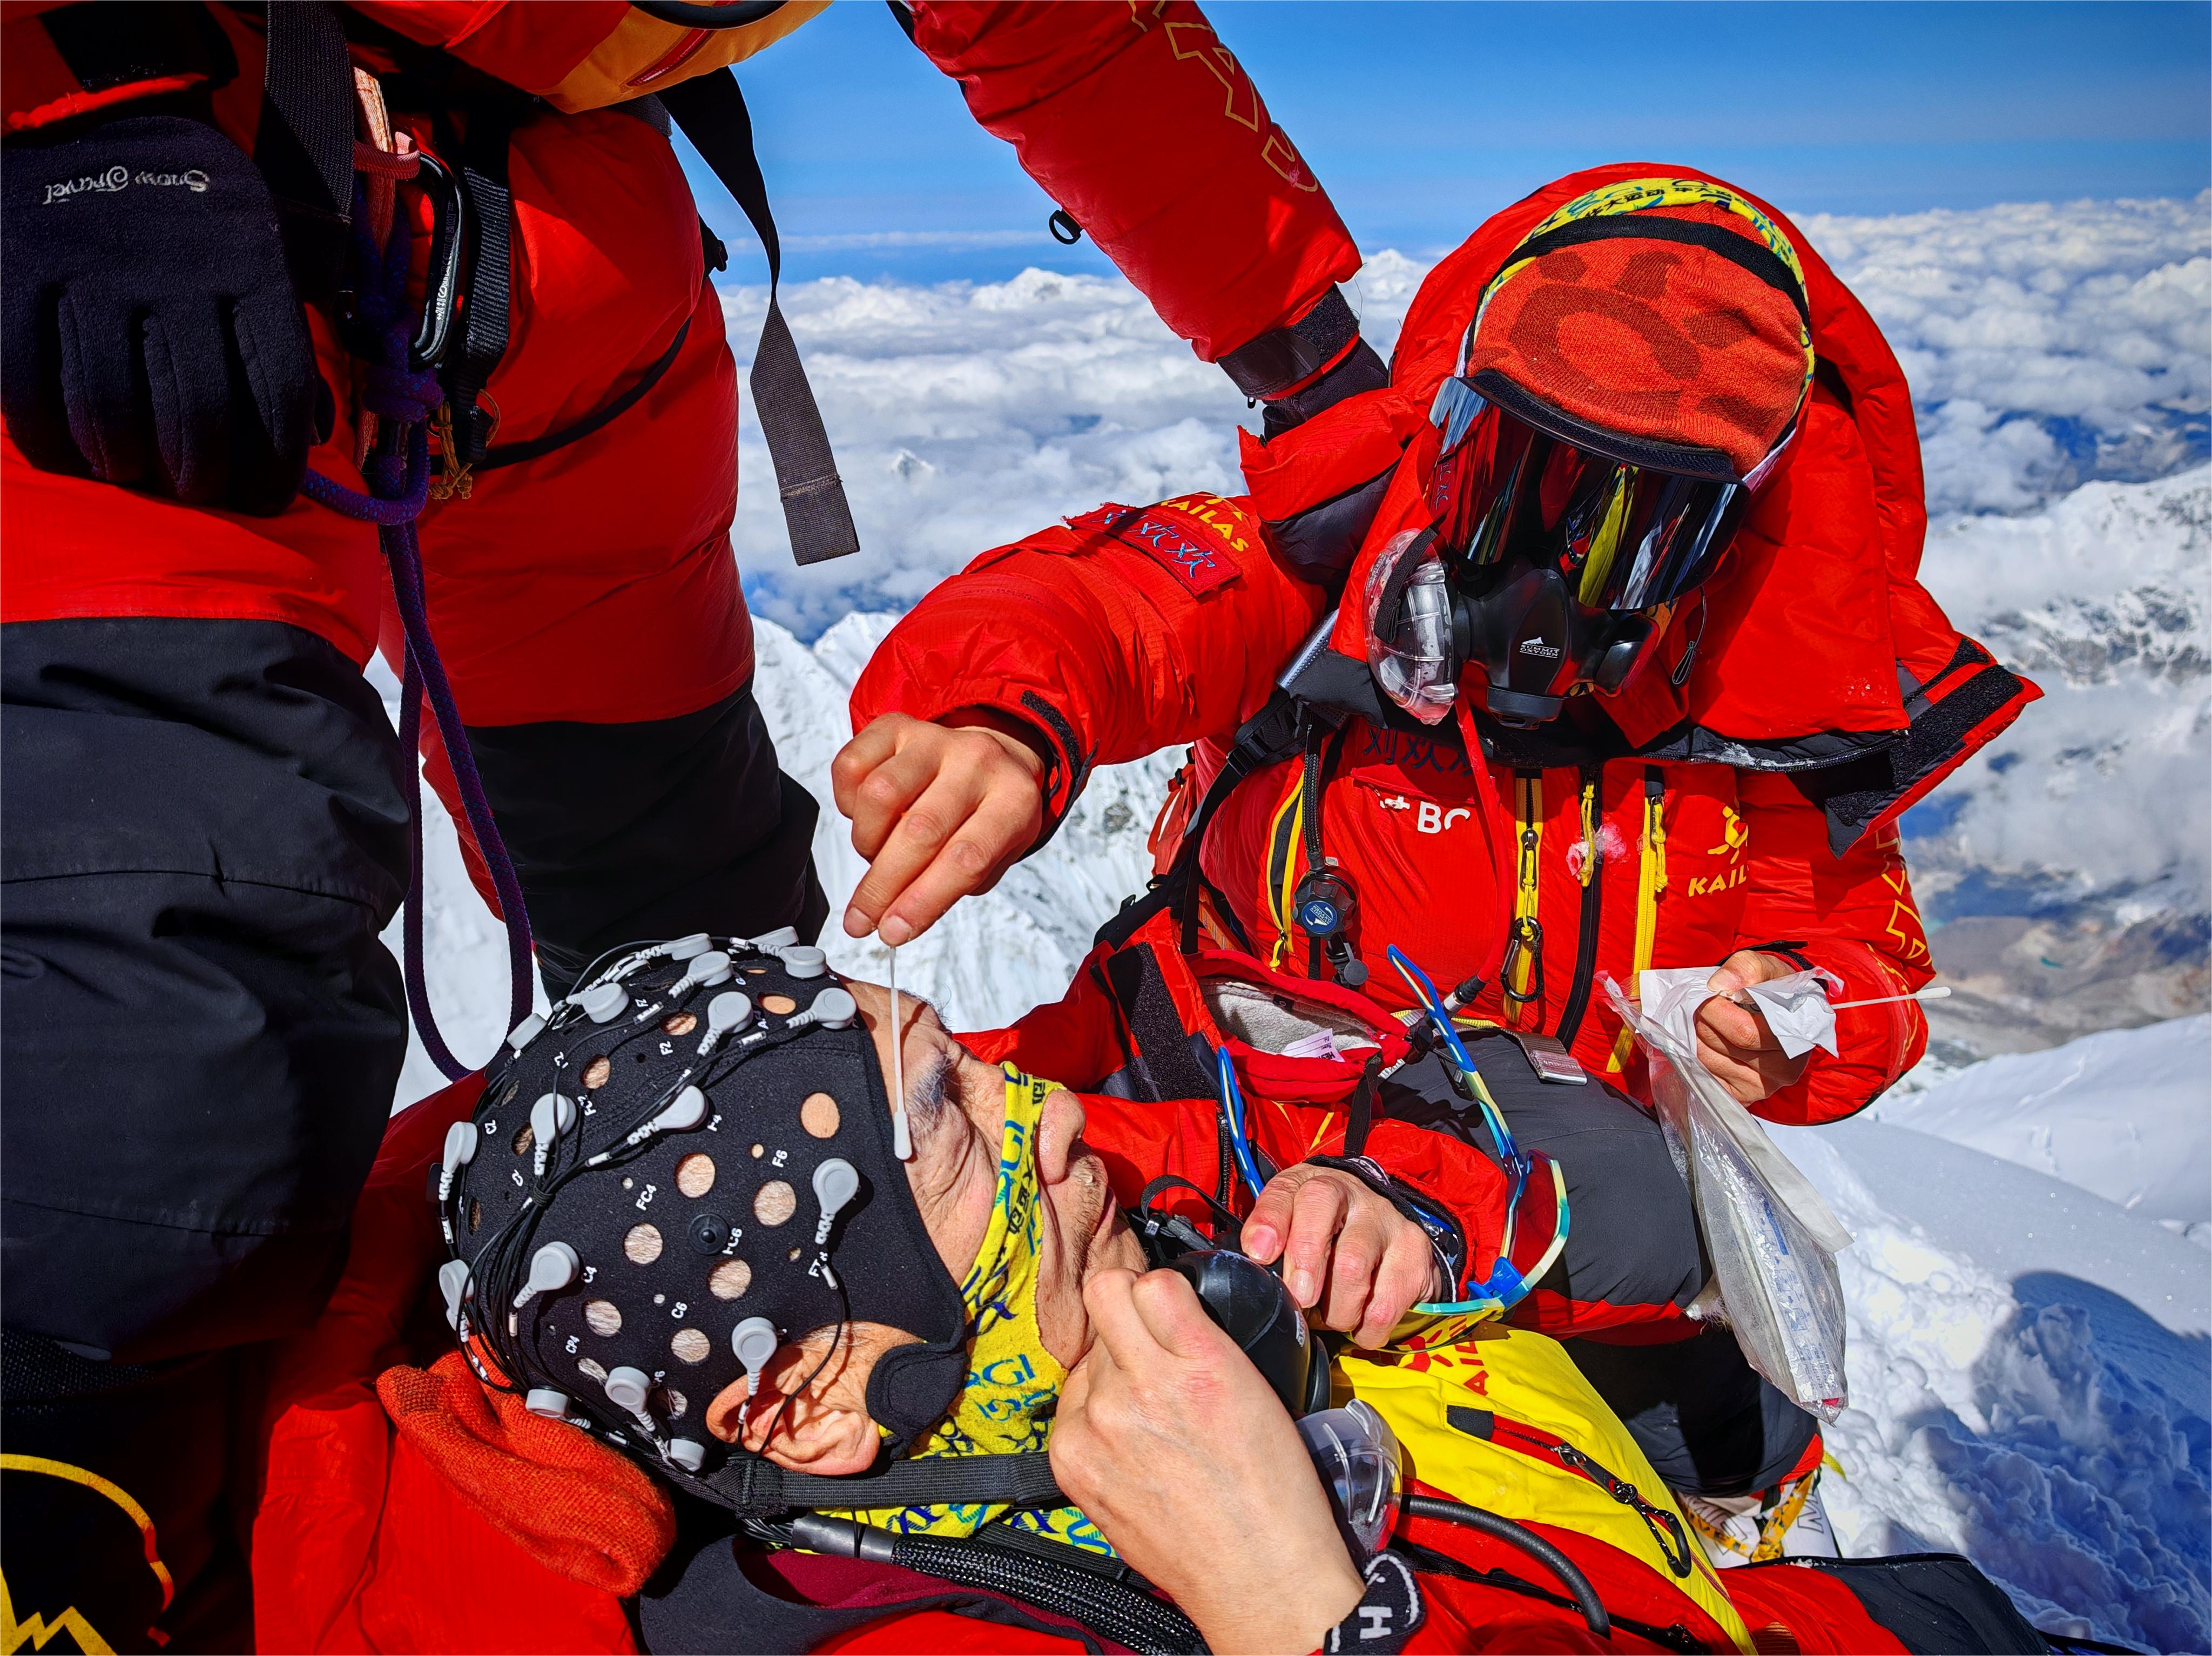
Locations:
{"points": [[149, 333]]}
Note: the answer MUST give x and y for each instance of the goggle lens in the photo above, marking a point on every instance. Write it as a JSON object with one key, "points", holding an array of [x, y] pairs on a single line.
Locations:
{"points": [[1625, 537]]}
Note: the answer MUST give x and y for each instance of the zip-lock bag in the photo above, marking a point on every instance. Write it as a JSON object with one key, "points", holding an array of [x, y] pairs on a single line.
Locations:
{"points": [[1772, 1239]]}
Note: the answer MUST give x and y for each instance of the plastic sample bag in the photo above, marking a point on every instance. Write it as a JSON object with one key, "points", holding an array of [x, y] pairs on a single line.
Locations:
{"points": [[1772, 1239]]}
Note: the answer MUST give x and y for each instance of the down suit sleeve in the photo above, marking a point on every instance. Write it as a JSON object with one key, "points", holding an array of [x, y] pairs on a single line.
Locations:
{"points": [[1136, 119], [1123, 632], [1851, 915], [1147, 132]]}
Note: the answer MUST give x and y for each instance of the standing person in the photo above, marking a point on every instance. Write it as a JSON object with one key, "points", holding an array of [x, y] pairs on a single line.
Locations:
{"points": [[1635, 526], [206, 813]]}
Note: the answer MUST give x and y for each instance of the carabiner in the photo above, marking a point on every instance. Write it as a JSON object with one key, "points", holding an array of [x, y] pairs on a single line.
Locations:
{"points": [[441, 293], [1527, 936]]}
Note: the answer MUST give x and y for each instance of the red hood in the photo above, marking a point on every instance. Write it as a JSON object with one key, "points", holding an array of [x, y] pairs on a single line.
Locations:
{"points": [[1817, 604]]}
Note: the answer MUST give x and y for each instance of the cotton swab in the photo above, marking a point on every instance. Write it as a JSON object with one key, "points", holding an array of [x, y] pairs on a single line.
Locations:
{"points": [[902, 1134], [1939, 992]]}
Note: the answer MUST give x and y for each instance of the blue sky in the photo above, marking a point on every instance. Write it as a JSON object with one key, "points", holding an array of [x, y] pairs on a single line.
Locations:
{"points": [[1421, 117]]}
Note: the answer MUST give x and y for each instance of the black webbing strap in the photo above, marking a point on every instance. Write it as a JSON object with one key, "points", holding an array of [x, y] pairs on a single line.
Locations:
{"points": [[711, 109], [304, 146], [754, 1488], [1361, 1121], [1271, 733], [490, 221]]}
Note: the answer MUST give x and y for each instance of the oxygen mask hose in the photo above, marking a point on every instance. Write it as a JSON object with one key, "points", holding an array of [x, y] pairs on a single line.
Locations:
{"points": [[1500, 1528]]}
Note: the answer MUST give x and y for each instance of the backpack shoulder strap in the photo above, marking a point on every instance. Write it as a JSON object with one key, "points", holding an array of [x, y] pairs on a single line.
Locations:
{"points": [[711, 109]]}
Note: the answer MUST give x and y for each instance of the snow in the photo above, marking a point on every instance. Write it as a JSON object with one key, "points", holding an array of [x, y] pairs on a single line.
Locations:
{"points": [[2029, 1373], [2121, 1114], [2029, 1333]]}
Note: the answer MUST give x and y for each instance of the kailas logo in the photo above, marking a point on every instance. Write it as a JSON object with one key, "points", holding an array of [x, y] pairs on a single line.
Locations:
{"points": [[119, 178], [1538, 647]]}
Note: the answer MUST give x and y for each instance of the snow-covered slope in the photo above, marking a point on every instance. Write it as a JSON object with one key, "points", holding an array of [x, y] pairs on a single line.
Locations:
{"points": [[2029, 1378], [2126, 1114]]}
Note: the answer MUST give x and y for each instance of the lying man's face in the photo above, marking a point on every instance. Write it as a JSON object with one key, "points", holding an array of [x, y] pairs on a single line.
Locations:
{"points": [[957, 1109]]}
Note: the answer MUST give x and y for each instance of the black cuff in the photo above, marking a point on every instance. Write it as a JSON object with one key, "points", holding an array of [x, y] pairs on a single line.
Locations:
{"points": [[1387, 1618], [1068, 767], [1791, 951], [1360, 371], [1271, 364]]}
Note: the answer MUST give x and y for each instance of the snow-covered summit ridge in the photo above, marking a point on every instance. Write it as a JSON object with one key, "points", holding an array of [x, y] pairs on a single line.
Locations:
{"points": [[2122, 1114]]}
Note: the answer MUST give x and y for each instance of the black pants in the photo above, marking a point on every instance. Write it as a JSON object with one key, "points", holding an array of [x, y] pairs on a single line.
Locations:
{"points": [[204, 830], [1703, 1416]]}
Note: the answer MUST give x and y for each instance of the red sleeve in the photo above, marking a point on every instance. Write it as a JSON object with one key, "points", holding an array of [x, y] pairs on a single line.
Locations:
{"points": [[1853, 916], [1145, 128], [1125, 632]]}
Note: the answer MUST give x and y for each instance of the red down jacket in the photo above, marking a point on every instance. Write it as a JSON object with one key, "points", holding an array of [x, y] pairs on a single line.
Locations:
{"points": [[1755, 802], [362, 1543], [615, 548]]}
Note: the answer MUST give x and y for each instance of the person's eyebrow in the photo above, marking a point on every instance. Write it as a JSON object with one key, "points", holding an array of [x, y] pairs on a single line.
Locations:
{"points": [[932, 1087]]}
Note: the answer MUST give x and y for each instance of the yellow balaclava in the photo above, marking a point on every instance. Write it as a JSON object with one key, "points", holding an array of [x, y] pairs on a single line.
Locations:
{"points": [[1013, 1383]]}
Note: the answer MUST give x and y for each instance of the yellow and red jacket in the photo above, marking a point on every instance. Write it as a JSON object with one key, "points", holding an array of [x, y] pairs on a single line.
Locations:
{"points": [[1754, 802]]}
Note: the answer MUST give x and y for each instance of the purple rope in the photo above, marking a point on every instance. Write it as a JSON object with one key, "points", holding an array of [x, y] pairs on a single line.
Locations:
{"points": [[398, 478], [418, 990]]}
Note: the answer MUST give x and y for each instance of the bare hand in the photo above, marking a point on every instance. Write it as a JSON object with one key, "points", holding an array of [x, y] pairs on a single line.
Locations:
{"points": [[1347, 1250], [939, 811], [1733, 1037], [1167, 1433]]}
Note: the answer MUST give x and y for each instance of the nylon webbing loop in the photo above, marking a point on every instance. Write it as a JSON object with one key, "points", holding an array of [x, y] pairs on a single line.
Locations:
{"points": [[711, 109], [304, 146], [753, 1486]]}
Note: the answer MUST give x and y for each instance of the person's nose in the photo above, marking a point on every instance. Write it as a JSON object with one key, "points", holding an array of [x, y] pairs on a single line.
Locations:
{"points": [[1058, 1129]]}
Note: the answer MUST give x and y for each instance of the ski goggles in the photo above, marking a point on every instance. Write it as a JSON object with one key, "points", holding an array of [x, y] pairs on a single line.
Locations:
{"points": [[1629, 524]]}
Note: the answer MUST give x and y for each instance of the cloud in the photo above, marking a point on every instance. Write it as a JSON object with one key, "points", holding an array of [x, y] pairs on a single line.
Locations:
{"points": [[2045, 345]]}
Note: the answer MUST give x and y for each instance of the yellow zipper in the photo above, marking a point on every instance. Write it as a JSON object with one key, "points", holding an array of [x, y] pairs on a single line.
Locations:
{"points": [[1651, 881], [1528, 930], [1278, 877], [1589, 831]]}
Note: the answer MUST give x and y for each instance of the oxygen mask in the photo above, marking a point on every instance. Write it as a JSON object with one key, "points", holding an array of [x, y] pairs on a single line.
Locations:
{"points": [[1556, 553]]}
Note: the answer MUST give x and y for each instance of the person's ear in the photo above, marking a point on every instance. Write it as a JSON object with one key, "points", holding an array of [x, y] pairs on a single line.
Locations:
{"points": [[810, 1434]]}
